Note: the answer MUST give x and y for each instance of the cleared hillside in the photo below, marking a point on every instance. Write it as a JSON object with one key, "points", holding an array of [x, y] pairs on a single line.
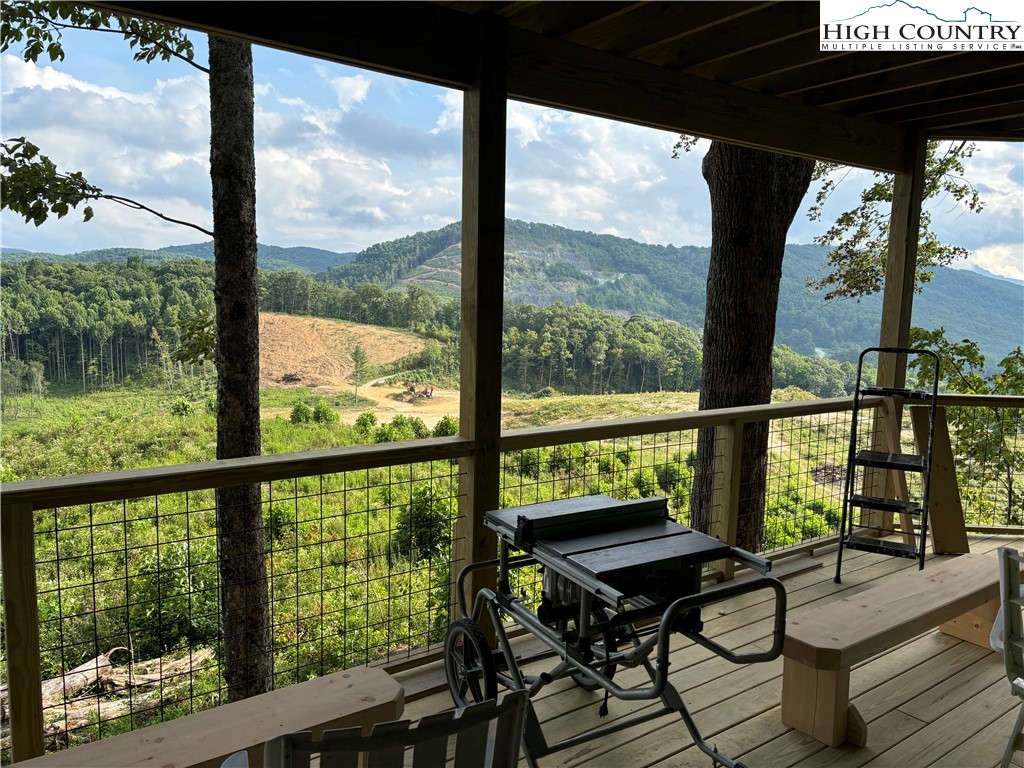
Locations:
{"points": [[313, 352]]}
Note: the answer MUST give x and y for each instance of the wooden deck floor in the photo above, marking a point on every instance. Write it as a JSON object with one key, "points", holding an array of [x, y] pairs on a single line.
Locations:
{"points": [[934, 701]]}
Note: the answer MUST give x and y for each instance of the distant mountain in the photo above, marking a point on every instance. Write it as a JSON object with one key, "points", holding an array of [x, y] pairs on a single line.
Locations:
{"points": [[986, 273], [269, 257], [274, 257], [545, 264]]}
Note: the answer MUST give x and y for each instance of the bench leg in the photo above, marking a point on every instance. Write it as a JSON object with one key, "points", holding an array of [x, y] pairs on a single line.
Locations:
{"points": [[974, 626], [817, 702]]}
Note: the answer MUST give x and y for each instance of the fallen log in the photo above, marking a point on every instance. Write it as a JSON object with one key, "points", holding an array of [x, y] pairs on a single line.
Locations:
{"points": [[59, 689]]}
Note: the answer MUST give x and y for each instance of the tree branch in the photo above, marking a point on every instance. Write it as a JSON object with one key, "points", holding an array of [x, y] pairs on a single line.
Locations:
{"points": [[134, 204]]}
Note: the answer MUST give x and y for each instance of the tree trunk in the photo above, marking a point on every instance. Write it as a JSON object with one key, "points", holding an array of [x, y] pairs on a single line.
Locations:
{"points": [[754, 197], [247, 649]]}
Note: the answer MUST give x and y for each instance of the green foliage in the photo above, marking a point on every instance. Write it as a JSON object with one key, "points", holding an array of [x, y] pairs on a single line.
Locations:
{"points": [[568, 459], [174, 597], [40, 24], [645, 482], [990, 436], [181, 407], [277, 521], [301, 414], [673, 475], [859, 237], [198, 340], [365, 422], [34, 188], [359, 362], [423, 526], [447, 426], [322, 413]]}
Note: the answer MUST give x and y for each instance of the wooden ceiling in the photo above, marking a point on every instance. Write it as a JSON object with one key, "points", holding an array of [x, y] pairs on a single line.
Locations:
{"points": [[772, 48], [747, 72]]}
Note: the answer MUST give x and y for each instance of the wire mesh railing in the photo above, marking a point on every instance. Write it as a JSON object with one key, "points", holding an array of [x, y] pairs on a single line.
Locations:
{"points": [[359, 549]]}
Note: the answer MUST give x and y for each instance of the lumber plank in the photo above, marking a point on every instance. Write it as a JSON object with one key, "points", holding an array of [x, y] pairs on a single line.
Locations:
{"points": [[947, 732], [204, 739], [854, 628], [945, 510]]}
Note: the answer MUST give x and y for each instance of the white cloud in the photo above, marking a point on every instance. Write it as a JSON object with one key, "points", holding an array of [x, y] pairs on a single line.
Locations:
{"points": [[1006, 259], [350, 90]]}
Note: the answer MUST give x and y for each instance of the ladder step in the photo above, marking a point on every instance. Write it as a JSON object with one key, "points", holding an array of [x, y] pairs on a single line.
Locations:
{"points": [[881, 546], [907, 462], [886, 505], [906, 394]]}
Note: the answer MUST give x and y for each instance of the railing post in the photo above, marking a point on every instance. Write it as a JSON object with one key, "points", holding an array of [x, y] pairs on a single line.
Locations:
{"points": [[483, 256], [21, 625], [725, 496]]}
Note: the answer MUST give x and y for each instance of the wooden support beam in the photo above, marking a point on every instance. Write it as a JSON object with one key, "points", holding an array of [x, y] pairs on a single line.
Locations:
{"points": [[428, 42], [945, 511], [556, 74], [725, 496], [21, 625], [483, 259], [901, 269]]}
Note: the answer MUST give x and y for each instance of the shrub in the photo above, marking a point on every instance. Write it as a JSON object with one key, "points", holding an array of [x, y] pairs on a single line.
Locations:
{"points": [[181, 407], [627, 456], [276, 522], [568, 459], [448, 426], [645, 483], [301, 414], [673, 474], [365, 422], [423, 526], [526, 463], [322, 413], [410, 427], [174, 597]]}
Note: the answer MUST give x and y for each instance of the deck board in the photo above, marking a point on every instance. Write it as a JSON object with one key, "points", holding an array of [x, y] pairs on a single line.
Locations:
{"points": [[932, 701]]}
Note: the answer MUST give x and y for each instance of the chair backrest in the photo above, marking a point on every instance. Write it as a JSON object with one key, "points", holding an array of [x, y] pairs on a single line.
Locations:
{"points": [[485, 735], [1010, 605]]}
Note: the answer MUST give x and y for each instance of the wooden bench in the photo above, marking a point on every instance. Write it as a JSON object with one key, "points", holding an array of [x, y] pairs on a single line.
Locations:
{"points": [[822, 644], [358, 696]]}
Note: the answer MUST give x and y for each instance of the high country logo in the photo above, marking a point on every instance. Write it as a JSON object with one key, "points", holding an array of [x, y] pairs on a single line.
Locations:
{"points": [[939, 25]]}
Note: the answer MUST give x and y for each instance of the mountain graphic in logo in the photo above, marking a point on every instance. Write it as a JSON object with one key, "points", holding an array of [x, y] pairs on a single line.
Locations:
{"points": [[971, 14]]}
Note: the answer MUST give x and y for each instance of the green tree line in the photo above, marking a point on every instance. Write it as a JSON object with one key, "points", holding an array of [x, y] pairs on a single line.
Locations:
{"points": [[100, 325]]}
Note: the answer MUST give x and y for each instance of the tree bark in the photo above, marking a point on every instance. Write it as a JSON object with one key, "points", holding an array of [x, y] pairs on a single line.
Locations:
{"points": [[245, 612], [754, 197]]}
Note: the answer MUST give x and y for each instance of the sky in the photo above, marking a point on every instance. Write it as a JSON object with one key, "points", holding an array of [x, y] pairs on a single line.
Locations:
{"points": [[347, 158]]}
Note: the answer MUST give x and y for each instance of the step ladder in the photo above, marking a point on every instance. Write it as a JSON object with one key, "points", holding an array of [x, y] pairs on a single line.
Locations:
{"points": [[868, 519]]}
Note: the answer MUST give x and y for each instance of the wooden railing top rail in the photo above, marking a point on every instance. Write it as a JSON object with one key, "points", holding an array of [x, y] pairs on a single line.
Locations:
{"points": [[152, 481], [982, 401], [536, 437]]}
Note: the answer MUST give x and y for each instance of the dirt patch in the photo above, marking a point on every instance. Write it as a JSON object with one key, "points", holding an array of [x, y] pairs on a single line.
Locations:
{"points": [[315, 352], [828, 474]]}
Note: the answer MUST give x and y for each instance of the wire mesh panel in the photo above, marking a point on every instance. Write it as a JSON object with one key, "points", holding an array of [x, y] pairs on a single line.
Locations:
{"points": [[988, 450], [806, 467], [131, 631]]}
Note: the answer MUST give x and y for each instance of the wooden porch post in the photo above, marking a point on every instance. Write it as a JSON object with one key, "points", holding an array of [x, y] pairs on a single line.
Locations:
{"points": [[901, 270], [898, 295], [725, 496], [483, 256], [21, 614]]}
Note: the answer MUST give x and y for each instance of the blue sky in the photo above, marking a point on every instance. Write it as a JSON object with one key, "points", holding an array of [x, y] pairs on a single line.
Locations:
{"points": [[347, 158]]}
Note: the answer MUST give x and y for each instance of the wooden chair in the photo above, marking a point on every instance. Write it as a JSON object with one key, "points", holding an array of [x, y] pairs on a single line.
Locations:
{"points": [[1012, 643], [485, 735]]}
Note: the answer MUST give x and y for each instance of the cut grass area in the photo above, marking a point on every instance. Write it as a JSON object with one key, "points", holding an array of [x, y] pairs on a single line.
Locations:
{"points": [[575, 409]]}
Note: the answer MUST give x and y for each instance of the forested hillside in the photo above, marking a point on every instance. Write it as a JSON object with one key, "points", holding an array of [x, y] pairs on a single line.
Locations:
{"points": [[545, 264], [584, 313], [269, 257]]}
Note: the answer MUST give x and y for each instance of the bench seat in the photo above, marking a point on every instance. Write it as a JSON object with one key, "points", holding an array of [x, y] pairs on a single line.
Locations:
{"points": [[358, 696], [824, 643]]}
